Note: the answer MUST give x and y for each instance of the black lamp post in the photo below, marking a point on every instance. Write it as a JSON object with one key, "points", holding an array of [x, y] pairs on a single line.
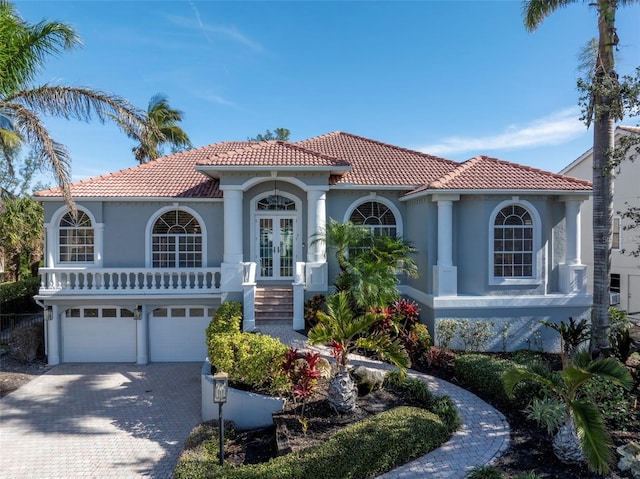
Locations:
{"points": [[220, 389]]}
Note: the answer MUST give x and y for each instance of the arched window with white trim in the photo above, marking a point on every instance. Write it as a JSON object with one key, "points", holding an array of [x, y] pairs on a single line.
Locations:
{"points": [[515, 252], [76, 238], [176, 241], [513, 243], [377, 216]]}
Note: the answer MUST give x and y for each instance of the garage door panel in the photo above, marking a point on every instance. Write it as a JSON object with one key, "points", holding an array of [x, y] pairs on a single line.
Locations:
{"points": [[98, 339], [177, 338]]}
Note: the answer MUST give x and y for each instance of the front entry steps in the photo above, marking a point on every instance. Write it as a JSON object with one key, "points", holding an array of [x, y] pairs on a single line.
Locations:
{"points": [[274, 306]]}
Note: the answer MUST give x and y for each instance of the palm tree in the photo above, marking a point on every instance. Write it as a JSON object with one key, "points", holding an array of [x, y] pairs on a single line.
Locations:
{"points": [[369, 265], [164, 120], [583, 435], [24, 48], [345, 333], [606, 109]]}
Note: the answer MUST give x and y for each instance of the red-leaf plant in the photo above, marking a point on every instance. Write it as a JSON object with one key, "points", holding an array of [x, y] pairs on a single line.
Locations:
{"points": [[302, 370]]}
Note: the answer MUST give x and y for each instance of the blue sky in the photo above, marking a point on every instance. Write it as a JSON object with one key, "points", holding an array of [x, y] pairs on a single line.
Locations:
{"points": [[454, 78]]}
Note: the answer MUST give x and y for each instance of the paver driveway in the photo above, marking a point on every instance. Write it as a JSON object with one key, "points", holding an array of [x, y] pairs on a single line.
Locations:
{"points": [[99, 421]]}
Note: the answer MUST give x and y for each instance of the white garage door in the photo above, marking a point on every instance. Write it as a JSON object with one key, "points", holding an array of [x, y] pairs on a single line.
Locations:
{"points": [[178, 334], [95, 335]]}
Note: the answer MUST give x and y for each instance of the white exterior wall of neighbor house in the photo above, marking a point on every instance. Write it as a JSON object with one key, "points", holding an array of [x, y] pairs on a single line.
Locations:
{"points": [[626, 193]]}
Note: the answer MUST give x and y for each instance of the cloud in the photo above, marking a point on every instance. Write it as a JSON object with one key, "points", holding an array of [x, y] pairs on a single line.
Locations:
{"points": [[554, 129], [228, 32], [218, 99]]}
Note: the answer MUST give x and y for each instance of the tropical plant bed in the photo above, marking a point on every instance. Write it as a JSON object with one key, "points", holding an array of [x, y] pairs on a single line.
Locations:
{"points": [[322, 424], [530, 448]]}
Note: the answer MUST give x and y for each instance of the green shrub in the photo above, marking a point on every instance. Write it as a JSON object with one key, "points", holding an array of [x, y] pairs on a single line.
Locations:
{"points": [[615, 403], [311, 308], [484, 374], [485, 472], [228, 319], [446, 331], [19, 289], [364, 449], [475, 334], [251, 359]]}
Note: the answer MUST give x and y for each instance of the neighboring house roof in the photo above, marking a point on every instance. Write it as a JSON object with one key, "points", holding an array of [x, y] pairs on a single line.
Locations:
{"points": [[377, 163], [486, 173], [351, 160], [620, 130]]}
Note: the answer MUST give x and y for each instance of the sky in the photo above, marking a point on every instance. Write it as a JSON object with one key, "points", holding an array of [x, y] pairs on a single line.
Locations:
{"points": [[454, 79]]}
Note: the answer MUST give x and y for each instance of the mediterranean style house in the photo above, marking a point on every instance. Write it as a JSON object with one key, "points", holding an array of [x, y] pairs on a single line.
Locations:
{"points": [[625, 268], [137, 274]]}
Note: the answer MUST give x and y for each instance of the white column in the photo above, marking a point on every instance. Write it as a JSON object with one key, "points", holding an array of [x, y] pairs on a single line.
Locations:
{"points": [[50, 259], [573, 274], [99, 244], [445, 275], [142, 337], [572, 212], [445, 233], [316, 223], [232, 226], [231, 268], [53, 336]]}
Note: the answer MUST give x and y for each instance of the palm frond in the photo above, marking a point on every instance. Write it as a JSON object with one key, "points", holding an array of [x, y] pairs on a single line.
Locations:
{"points": [[389, 349], [512, 377], [592, 433], [28, 125], [25, 47], [612, 370], [535, 11]]}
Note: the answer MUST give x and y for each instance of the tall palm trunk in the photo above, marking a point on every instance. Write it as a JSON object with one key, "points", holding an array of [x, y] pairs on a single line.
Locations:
{"points": [[603, 145]]}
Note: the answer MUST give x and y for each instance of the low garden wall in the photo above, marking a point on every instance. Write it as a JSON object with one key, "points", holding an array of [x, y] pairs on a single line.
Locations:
{"points": [[247, 410]]}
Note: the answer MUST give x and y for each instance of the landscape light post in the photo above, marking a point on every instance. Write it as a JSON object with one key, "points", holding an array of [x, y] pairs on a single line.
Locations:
{"points": [[220, 389]]}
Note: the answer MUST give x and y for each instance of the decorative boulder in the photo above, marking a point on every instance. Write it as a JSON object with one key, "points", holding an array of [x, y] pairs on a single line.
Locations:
{"points": [[630, 460], [368, 379]]}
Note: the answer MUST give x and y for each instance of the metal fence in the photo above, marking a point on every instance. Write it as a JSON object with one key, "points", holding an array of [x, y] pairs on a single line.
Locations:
{"points": [[10, 322]]}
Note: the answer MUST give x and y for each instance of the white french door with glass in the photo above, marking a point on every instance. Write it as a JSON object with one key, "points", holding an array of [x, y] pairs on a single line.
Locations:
{"points": [[276, 245]]}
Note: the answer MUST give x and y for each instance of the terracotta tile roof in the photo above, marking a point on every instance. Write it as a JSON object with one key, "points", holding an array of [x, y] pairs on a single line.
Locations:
{"points": [[486, 173], [170, 176], [377, 163], [273, 153], [350, 159]]}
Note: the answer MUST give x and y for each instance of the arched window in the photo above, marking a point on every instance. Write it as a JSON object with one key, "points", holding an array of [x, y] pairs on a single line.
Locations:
{"points": [[176, 241], [513, 243], [76, 239], [377, 216], [276, 203]]}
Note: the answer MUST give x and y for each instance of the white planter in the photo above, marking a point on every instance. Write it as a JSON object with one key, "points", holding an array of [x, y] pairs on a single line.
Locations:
{"points": [[247, 410]]}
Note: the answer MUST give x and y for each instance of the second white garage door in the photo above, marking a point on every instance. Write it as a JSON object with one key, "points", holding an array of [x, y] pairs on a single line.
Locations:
{"points": [[178, 334]]}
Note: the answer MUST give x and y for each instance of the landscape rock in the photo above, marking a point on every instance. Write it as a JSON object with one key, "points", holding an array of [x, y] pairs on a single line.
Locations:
{"points": [[368, 379], [630, 460]]}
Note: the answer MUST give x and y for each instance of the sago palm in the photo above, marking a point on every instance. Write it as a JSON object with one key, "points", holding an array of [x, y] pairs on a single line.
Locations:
{"points": [[345, 332], [604, 109], [24, 48], [583, 435]]}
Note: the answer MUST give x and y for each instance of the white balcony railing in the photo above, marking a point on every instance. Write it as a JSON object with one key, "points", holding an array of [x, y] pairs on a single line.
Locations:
{"points": [[116, 281]]}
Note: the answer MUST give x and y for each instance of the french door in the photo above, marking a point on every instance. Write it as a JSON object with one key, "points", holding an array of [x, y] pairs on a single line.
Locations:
{"points": [[276, 236]]}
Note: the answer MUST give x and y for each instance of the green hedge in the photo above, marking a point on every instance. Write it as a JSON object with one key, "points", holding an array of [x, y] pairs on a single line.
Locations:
{"points": [[364, 449], [484, 374], [25, 288]]}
